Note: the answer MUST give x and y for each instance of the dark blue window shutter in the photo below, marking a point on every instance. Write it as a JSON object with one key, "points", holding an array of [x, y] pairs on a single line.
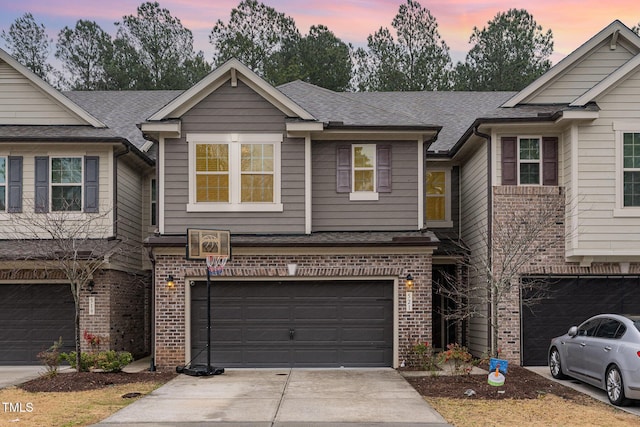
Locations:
{"points": [[15, 184], [550, 161], [343, 169], [91, 172], [383, 168], [41, 201], [509, 160]]}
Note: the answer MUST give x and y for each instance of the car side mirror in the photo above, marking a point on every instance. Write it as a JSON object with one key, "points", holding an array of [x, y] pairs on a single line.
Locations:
{"points": [[573, 331]]}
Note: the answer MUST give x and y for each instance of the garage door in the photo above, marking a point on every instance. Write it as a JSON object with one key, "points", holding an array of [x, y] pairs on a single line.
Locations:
{"points": [[573, 300], [32, 318], [301, 324]]}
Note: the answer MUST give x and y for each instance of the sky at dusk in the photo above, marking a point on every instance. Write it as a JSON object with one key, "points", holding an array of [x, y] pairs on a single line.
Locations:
{"points": [[572, 21]]}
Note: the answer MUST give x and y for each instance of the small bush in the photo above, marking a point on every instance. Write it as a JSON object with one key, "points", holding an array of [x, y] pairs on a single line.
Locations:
{"points": [[113, 361], [462, 359], [51, 358], [87, 360]]}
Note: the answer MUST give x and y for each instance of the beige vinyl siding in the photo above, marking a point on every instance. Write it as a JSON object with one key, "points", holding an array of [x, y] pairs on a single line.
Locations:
{"points": [[566, 172], [21, 103], [240, 110], [102, 228], [597, 65], [397, 210], [473, 192], [602, 233]]}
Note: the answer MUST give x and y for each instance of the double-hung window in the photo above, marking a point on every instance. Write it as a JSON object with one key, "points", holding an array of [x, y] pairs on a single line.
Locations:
{"points": [[3, 184], [438, 197], [66, 183], [631, 169], [234, 172], [363, 170], [529, 160]]}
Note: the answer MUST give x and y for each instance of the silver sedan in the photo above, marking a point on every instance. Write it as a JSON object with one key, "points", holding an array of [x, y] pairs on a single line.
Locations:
{"points": [[604, 351]]}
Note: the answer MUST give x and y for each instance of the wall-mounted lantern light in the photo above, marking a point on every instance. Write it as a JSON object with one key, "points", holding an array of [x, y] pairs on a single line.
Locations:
{"points": [[90, 286], [170, 282], [409, 282]]}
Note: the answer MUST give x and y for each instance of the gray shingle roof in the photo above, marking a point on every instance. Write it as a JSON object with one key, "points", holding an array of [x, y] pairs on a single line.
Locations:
{"points": [[122, 111]]}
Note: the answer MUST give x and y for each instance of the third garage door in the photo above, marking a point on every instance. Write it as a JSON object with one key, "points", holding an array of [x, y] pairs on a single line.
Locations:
{"points": [[285, 323]]}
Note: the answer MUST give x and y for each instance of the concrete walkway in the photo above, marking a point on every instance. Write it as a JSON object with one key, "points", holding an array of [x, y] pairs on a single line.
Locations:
{"points": [[283, 397]]}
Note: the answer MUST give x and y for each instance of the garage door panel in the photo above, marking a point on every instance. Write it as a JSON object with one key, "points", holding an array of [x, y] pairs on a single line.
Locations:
{"points": [[33, 316], [573, 300], [334, 323]]}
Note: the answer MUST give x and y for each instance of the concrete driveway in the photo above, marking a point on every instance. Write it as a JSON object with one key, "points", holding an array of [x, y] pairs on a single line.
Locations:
{"points": [[587, 389], [283, 397]]}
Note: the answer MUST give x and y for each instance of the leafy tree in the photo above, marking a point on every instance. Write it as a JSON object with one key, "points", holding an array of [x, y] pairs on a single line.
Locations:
{"points": [[508, 54], [125, 70], [254, 33], [28, 43], [163, 45], [85, 52], [319, 58], [417, 60]]}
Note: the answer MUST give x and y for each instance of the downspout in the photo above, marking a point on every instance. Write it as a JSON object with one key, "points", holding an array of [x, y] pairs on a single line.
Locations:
{"points": [[493, 309]]}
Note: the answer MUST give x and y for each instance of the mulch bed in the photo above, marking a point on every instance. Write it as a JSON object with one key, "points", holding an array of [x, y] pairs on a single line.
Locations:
{"points": [[520, 383], [81, 381]]}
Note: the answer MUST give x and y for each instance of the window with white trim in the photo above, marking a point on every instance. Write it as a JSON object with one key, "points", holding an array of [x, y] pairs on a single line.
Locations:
{"points": [[3, 184], [66, 183], [631, 169], [154, 202], [234, 172], [529, 155], [438, 197]]}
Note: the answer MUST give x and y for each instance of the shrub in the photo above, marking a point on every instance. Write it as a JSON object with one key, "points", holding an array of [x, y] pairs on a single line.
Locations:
{"points": [[460, 356], [107, 361], [50, 358], [420, 355]]}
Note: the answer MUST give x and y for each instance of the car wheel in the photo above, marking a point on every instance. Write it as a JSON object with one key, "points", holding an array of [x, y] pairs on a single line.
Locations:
{"points": [[555, 365], [615, 387]]}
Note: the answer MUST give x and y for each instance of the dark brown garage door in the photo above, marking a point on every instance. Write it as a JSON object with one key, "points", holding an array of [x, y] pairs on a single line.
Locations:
{"points": [[282, 324], [573, 300], [32, 317]]}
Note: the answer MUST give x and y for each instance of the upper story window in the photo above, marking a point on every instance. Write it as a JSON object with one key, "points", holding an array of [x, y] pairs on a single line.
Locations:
{"points": [[154, 202], [529, 160], [234, 172], [631, 169], [363, 170], [3, 184], [66, 184], [438, 197]]}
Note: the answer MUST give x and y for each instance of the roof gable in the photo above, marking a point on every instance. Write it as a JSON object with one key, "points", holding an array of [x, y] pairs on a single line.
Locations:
{"points": [[615, 36], [229, 71], [33, 101]]}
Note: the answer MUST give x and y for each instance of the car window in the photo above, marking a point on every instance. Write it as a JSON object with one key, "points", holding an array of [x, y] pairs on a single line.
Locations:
{"points": [[588, 329], [608, 329]]}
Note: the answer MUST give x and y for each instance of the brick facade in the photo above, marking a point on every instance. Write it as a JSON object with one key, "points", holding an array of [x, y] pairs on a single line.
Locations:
{"points": [[170, 339], [122, 312], [549, 258]]}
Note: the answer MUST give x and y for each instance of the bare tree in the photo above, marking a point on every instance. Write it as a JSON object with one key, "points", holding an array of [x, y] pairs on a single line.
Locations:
{"points": [[520, 242], [70, 242]]}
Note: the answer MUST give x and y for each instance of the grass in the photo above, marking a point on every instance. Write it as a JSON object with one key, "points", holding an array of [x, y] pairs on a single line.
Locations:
{"points": [[548, 410], [81, 408]]}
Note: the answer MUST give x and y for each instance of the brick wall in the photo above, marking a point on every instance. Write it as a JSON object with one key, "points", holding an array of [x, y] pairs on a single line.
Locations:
{"points": [[526, 204], [170, 302], [121, 312]]}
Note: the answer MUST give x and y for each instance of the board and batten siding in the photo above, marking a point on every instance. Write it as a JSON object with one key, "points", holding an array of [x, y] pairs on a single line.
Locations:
{"points": [[234, 110], [28, 152], [584, 75], [396, 210], [22, 103], [473, 193], [602, 231]]}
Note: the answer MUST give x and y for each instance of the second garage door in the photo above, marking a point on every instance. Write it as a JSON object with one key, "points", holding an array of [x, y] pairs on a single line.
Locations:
{"points": [[301, 324], [571, 301]]}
